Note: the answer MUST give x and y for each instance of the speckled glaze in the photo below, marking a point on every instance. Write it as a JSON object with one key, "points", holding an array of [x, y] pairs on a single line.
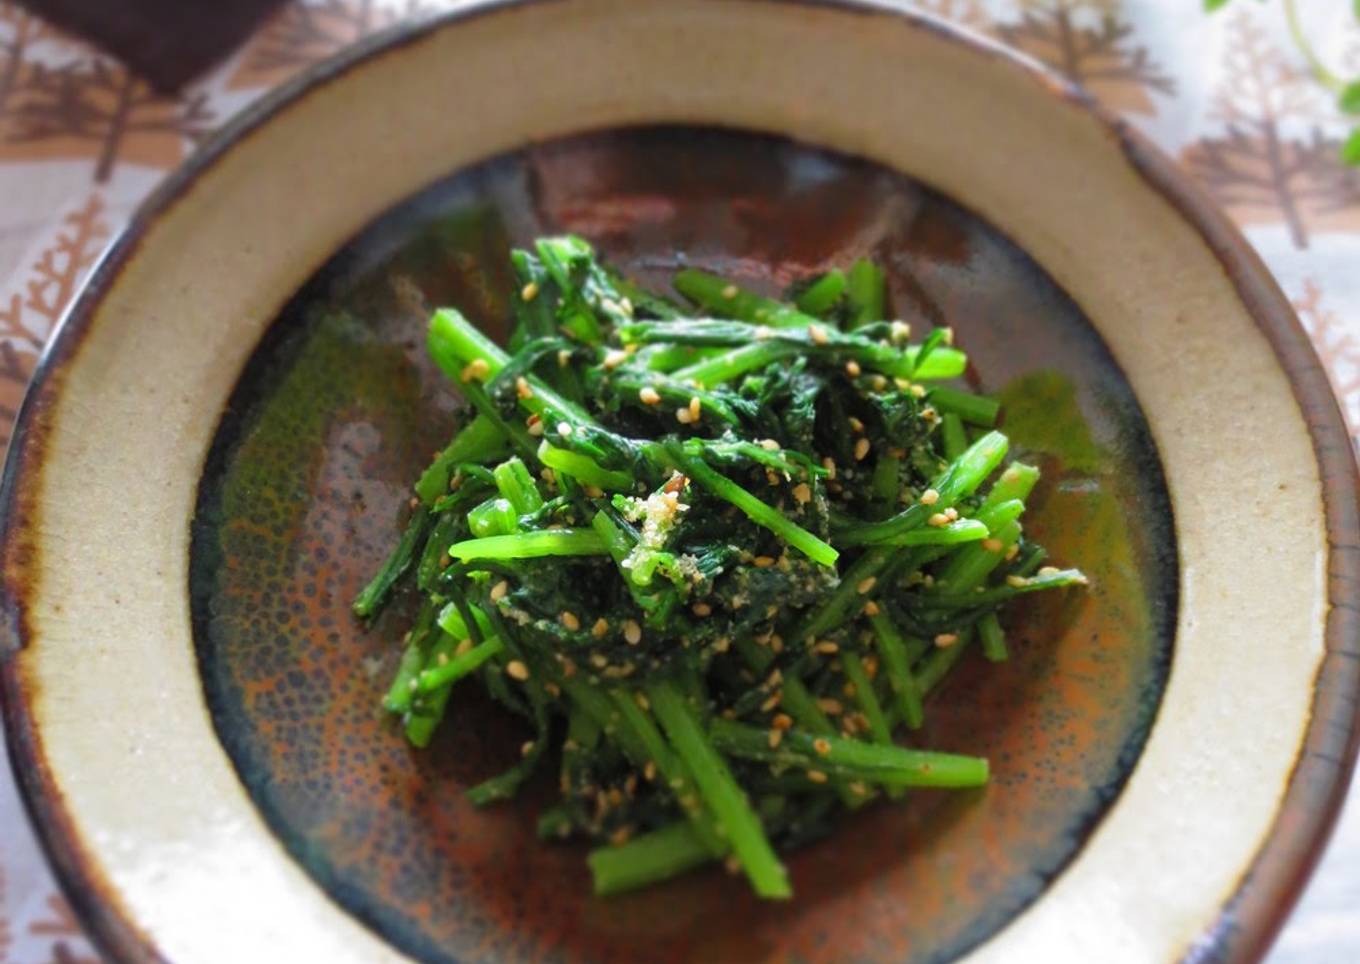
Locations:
{"points": [[170, 855], [338, 410]]}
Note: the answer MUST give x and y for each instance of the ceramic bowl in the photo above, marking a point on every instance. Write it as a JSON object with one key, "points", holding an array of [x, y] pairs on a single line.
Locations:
{"points": [[218, 449]]}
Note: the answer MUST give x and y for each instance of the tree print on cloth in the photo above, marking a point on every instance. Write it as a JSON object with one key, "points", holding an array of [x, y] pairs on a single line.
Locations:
{"points": [[1273, 162], [6, 931], [61, 928], [1088, 43], [301, 33], [93, 106], [1337, 346], [964, 13], [30, 312], [20, 31]]}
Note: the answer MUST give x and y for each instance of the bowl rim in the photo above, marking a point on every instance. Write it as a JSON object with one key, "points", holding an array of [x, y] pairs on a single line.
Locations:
{"points": [[1251, 917]]}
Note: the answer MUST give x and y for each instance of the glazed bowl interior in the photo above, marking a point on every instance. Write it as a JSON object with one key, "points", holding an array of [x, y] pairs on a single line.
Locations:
{"points": [[231, 756]]}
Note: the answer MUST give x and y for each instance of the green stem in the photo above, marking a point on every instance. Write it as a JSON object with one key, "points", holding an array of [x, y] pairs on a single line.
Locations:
{"points": [[649, 859], [531, 545], [583, 468], [866, 292]]}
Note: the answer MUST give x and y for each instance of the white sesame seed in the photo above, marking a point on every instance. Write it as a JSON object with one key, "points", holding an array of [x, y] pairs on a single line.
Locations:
{"points": [[827, 705], [649, 396], [475, 370], [632, 632], [861, 449], [866, 584], [829, 464], [817, 334], [614, 358], [464, 647], [827, 647], [694, 409], [522, 388], [993, 545], [1049, 571], [901, 331], [517, 670], [1013, 551], [702, 609], [948, 335], [683, 416], [822, 745], [526, 748], [564, 429], [769, 445], [944, 640], [918, 391], [499, 590], [529, 291], [1017, 582], [871, 608], [952, 513], [938, 519], [930, 497], [816, 776], [763, 562], [852, 368], [535, 425], [569, 620]]}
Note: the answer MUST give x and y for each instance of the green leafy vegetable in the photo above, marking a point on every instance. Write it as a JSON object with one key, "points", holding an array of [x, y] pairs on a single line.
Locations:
{"points": [[718, 555]]}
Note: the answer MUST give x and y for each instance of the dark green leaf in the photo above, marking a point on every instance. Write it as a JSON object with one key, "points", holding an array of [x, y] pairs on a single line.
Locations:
{"points": [[1211, 5]]}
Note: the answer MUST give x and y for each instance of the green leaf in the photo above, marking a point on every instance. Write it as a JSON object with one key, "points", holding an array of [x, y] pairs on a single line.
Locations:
{"points": [[1349, 101], [1211, 5], [1350, 151]]}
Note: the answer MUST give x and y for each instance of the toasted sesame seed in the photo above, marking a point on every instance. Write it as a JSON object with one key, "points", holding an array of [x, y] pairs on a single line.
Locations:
{"points": [[569, 620], [930, 497], [600, 628], [564, 429], [475, 370], [721, 644], [901, 331], [649, 396], [684, 416], [879, 382], [817, 334], [694, 408], [776, 643], [442, 659], [830, 706], [849, 690], [827, 647], [523, 389], [614, 358], [763, 562], [526, 748], [952, 514], [632, 632], [852, 368], [944, 640], [517, 670], [822, 745], [948, 335], [1049, 571], [599, 660], [1017, 582], [1013, 551], [772, 701], [866, 584], [871, 666], [548, 476], [871, 608], [816, 776], [775, 736], [993, 545], [499, 590], [593, 491], [563, 358], [830, 465], [529, 291], [938, 519], [649, 771], [534, 424], [918, 391], [464, 646], [730, 292], [782, 721], [701, 609], [769, 445]]}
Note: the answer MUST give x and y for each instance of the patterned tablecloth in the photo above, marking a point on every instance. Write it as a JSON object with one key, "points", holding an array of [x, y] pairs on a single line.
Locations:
{"points": [[82, 141]]}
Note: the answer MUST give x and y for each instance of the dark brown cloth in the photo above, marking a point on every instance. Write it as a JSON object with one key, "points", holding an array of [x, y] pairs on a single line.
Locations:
{"points": [[166, 41]]}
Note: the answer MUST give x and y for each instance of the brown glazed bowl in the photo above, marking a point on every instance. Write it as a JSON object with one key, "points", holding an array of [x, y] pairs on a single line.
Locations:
{"points": [[219, 446]]}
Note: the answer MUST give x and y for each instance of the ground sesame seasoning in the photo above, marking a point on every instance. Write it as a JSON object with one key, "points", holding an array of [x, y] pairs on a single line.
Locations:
{"points": [[529, 291], [499, 590], [822, 745], [929, 497], [517, 670], [993, 545], [632, 632], [852, 368], [569, 620], [475, 370], [937, 520], [649, 396], [816, 776], [866, 584], [944, 640]]}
